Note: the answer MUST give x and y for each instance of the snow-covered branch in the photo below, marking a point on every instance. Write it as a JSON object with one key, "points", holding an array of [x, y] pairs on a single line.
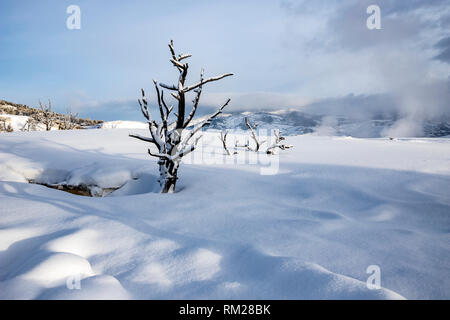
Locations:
{"points": [[277, 143], [201, 83], [223, 138], [254, 136], [139, 137], [47, 114]]}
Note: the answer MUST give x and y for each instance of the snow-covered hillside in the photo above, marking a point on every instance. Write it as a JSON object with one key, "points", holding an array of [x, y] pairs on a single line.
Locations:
{"points": [[328, 209], [19, 117]]}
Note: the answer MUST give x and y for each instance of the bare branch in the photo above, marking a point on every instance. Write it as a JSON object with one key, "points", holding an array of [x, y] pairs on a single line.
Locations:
{"points": [[187, 150], [158, 95], [195, 102], [172, 51], [168, 87], [175, 96], [184, 56], [205, 122], [254, 136], [144, 106], [223, 138], [159, 155], [141, 138], [278, 144], [177, 64], [168, 109], [187, 89]]}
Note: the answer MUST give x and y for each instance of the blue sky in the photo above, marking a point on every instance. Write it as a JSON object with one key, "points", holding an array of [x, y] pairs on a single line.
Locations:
{"points": [[285, 54]]}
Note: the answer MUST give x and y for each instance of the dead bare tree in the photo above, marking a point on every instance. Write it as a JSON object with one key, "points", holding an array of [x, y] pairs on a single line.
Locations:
{"points": [[30, 124], [47, 114], [254, 136], [168, 138], [278, 143], [5, 125], [223, 138], [69, 120]]}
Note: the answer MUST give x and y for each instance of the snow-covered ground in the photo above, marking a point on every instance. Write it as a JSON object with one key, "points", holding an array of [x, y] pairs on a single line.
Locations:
{"points": [[307, 228]]}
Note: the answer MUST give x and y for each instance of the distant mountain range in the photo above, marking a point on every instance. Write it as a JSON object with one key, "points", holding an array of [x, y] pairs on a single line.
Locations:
{"points": [[292, 122]]}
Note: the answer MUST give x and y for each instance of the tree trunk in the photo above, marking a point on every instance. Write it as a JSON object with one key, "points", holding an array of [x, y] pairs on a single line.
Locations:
{"points": [[169, 185], [168, 176]]}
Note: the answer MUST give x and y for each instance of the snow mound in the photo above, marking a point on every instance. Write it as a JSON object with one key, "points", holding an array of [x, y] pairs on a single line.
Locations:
{"points": [[120, 124], [54, 268], [92, 288], [287, 278]]}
